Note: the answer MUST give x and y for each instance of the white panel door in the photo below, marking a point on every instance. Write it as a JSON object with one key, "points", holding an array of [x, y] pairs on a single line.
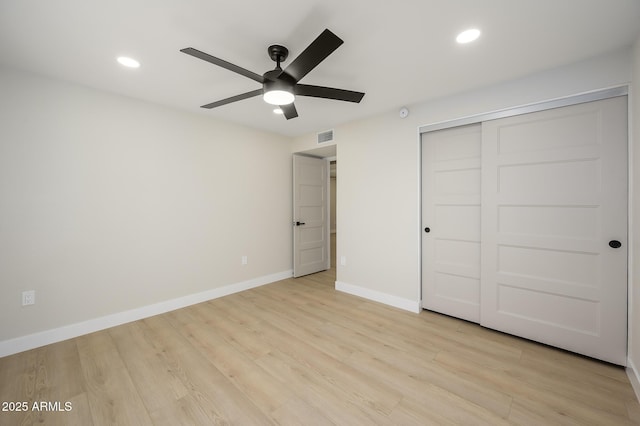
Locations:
{"points": [[310, 215], [451, 221], [554, 195]]}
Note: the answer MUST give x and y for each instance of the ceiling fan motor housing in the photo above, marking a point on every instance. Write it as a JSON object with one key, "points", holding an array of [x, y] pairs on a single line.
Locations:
{"points": [[278, 80], [278, 53]]}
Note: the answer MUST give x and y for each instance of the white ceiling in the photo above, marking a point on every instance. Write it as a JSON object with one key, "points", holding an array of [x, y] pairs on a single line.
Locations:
{"points": [[398, 52]]}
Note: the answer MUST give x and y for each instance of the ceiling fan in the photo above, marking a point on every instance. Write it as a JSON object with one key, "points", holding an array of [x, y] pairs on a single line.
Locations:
{"points": [[280, 87]]}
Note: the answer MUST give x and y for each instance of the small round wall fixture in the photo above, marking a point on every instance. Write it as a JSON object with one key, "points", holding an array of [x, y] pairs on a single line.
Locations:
{"points": [[404, 112]]}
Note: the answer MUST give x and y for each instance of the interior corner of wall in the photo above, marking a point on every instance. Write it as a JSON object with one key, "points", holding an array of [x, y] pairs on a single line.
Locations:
{"points": [[380, 297], [634, 377]]}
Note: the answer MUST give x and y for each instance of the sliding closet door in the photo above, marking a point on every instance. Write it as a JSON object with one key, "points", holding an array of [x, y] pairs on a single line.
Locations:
{"points": [[451, 215], [554, 227]]}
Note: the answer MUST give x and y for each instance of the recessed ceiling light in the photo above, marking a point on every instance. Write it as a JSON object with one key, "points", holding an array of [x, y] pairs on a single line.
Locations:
{"points": [[468, 36], [128, 62], [278, 111]]}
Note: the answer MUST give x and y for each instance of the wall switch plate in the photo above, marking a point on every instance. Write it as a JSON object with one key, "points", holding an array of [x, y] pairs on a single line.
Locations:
{"points": [[244, 260], [28, 297], [343, 260]]}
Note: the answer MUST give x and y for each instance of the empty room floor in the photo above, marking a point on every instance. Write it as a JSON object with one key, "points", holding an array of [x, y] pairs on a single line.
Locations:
{"points": [[299, 352]]}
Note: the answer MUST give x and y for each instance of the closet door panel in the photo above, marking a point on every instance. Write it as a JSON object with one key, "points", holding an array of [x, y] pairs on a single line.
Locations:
{"points": [[451, 211], [554, 191]]}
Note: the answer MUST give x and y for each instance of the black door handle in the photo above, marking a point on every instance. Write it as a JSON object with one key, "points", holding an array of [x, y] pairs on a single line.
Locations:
{"points": [[300, 223], [615, 244], [427, 229]]}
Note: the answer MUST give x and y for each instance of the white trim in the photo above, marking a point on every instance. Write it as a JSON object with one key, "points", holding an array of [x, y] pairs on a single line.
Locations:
{"points": [[419, 237], [632, 373], [31, 341], [377, 296], [579, 98], [630, 247], [327, 185]]}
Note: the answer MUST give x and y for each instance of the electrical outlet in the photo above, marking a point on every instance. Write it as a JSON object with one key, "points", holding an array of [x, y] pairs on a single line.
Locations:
{"points": [[28, 297], [244, 260]]}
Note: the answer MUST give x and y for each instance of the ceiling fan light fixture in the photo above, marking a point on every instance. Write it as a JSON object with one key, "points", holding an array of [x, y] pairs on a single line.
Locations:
{"points": [[278, 91], [278, 97]]}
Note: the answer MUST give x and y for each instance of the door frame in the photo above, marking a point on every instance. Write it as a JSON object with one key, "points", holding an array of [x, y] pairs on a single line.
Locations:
{"points": [[525, 109]]}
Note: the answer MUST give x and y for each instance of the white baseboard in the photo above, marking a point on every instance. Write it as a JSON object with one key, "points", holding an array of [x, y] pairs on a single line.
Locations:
{"points": [[377, 296], [31, 341], [632, 373]]}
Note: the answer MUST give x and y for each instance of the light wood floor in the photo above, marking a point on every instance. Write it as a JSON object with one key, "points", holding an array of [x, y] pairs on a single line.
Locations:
{"points": [[298, 352]]}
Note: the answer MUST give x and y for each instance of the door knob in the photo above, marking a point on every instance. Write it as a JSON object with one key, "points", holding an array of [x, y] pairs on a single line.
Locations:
{"points": [[300, 223], [427, 229], [615, 244]]}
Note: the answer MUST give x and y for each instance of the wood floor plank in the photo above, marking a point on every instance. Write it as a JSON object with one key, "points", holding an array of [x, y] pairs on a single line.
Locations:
{"points": [[498, 402], [300, 352], [112, 396], [439, 398], [336, 313], [563, 362], [354, 385], [49, 381], [281, 332], [306, 326], [250, 379], [163, 392], [535, 388], [417, 366], [215, 391], [311, 385], [527, 413], [633, 408], [434, 409]]}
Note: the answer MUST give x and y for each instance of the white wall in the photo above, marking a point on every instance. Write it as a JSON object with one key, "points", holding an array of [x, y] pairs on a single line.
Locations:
{"points": [[379, 191], [634, 294], [109, 204]]}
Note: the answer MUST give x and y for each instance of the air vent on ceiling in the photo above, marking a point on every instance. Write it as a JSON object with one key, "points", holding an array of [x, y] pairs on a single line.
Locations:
{"points": [[324, 137]]}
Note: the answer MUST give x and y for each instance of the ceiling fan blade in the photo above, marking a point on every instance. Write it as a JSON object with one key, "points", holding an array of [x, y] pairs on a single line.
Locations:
{"points": [[328, 93], [315, 53], [289, 111], [233, 99], [222, 63]]}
